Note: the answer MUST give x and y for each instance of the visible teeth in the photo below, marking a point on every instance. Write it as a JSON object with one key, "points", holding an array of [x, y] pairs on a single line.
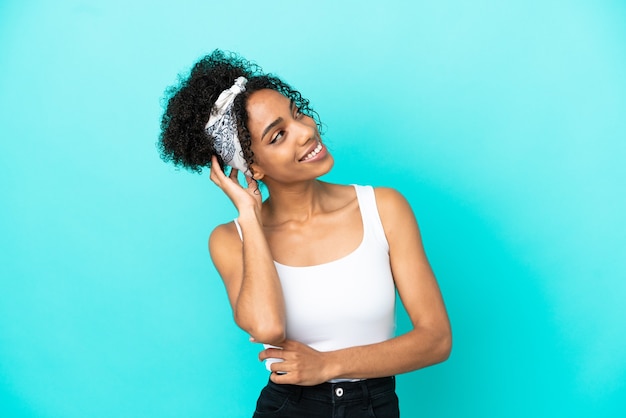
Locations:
{"points": [[313, 153]]}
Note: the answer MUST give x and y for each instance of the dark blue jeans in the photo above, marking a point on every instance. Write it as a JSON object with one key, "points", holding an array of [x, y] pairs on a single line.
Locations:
{"points": [[371, 398]]}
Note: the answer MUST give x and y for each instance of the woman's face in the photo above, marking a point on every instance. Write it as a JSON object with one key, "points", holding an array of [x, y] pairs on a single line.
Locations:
{"points": [[286, 144]]}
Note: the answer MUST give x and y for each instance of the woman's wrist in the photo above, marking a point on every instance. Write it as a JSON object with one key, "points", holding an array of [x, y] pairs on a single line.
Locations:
{"points": [[332, 365], [249, 215]]}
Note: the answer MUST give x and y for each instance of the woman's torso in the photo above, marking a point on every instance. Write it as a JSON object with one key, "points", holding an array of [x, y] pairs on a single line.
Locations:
{"points": [[335, 274]]}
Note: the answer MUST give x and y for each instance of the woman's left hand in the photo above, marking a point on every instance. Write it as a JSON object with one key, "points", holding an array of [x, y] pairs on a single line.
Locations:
{"points": [[300, 365]]}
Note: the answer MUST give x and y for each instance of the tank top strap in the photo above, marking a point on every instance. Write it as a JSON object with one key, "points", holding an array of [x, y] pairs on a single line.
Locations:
{"points": [[238, 228], [369, 213]]}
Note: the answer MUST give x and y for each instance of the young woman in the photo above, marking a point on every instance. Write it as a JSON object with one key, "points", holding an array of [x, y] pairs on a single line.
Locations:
{"points": [[312, 271]]}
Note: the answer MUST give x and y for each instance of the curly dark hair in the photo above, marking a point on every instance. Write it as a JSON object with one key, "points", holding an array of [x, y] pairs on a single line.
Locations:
{"points": [[183, 139]]}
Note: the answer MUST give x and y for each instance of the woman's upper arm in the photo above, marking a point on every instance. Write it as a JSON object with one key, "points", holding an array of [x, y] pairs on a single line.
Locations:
{"points": [[413, 276], [226, 249]]}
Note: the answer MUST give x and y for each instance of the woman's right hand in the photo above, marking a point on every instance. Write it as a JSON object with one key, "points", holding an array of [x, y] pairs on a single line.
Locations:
{"points": [[243, 198]]}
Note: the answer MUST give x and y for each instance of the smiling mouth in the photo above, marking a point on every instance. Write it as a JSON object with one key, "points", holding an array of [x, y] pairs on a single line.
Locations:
{"points": [[313, 153]]}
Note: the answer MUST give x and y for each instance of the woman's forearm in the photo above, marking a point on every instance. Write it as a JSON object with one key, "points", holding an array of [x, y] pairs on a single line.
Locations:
{"points": [[260, 306], [303, 365], [418, 348]]}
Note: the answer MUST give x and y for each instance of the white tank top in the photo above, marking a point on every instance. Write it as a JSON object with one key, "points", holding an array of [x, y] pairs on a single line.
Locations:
{"points": [[346, 302]]}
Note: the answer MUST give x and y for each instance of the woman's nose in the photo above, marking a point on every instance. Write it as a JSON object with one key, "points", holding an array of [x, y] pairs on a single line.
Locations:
{"points": [[305, 132]]}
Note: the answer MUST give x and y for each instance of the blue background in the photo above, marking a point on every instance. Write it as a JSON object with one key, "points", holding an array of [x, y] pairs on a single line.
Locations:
{"points": [[502, 122]]}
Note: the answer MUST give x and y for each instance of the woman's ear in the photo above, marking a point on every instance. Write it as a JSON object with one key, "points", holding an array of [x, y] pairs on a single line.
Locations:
{"points": [[257, 173]]}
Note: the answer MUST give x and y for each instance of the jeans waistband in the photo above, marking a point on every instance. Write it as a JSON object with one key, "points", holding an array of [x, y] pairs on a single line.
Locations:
{"points": [[339, 391]]}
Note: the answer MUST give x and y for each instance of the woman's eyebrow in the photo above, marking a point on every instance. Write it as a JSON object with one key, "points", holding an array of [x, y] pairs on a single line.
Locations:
{"points": [[270, 126], [292, 105]]}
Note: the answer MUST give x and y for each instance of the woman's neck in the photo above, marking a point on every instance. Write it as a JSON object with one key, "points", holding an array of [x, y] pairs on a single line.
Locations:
{"points": [[296, 202]]}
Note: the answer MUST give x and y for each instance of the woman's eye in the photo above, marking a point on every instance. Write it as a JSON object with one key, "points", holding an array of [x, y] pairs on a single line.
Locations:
{"points": [[277, 137]]}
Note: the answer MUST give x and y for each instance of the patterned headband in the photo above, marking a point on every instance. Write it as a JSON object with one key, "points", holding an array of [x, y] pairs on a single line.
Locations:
{"points": [[222, 127]]}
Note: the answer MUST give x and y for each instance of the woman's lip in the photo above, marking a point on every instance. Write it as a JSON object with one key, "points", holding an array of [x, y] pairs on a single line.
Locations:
{"points": [[318, 156], [311, 148]]}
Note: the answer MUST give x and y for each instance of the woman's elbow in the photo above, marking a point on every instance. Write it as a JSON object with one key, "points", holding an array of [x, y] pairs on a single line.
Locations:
{"points": [[443, 345], [272, 336], [266, 332]]}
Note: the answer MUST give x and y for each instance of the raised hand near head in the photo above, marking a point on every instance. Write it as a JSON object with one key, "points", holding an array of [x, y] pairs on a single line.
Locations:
{"points": [[242, 197]]}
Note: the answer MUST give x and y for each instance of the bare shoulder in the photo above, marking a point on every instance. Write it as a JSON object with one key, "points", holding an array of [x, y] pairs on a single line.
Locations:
{"points": [[227, 230], [388, 196], [394, 210], [224, 232], [224, 239], [391, 201]]}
